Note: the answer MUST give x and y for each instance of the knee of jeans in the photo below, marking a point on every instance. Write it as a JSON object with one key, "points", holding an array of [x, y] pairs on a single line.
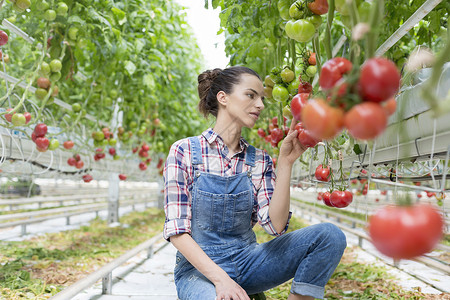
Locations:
{"points": [[335, 236]]}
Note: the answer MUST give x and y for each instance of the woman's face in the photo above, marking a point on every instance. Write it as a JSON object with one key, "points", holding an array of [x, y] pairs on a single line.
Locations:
{"points": [[245, 102]]}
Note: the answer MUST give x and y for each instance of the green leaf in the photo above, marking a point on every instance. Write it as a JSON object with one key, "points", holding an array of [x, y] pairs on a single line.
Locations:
{"points": [[76, 19], [130, 67], [357, 149], [149, 81]]}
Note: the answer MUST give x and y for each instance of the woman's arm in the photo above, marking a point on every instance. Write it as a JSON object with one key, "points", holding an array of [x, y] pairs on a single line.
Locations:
{"points": [[226, 288], [290, 151]]}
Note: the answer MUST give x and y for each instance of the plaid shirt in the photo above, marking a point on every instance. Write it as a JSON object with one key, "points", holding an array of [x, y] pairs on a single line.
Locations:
{"points": [[179, 175]]}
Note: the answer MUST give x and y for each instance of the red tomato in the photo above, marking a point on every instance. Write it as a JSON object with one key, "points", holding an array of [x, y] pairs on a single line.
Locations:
{"points": [[341, 199], [40, 130], [305, 138], [275, 121], [277, 135], [322, 174], [312, 59], [379, 80], [261, 132], [33, 137], [27, 116], [404, 232], [122, 176], [321, 120], [304, 87], [268, 138], [431, 194], [326, 199], [79, 164], [297, 104], [142, 166], [77, 157], [87, 178], [332, 72], [42, 142], [71, 161], [319, 7], [8, 117], [112, 151], [68, 144], [365, 121], [145, 147], [160, 163], [3, 38]]}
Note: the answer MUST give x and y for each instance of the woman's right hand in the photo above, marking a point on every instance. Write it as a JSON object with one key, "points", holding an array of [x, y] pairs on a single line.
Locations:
{"points": [[228, 289]]}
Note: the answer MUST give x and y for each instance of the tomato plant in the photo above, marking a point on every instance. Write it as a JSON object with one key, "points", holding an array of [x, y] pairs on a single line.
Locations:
{"points": [[404, 232]]}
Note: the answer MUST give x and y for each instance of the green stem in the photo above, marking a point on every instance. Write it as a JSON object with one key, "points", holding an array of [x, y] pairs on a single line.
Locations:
{"points": [[316, 47], [374, 20], [327, 41]]}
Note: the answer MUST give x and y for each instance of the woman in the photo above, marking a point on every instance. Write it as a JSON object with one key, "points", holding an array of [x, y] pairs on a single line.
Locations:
{"points": [[217, 187]]}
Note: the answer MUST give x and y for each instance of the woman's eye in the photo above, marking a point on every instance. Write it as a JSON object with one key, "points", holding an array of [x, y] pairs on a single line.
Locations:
{"points": [[251, 96]]}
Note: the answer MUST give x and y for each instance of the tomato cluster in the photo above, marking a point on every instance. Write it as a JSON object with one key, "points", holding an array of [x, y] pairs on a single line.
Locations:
{"points": [[337, 198], [275, 134], [75, 161], [18, 119], [303, 18], [359, 100]]}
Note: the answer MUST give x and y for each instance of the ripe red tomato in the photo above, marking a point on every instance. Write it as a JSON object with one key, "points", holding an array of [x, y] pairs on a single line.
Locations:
{"points": [[261, 132], [8, 117], [27, 116], [322, 174], [305, 138], [42, 142], [404, 232], [71, 161], [312, 59], [160, 163], [40, 130], [321, 120], [304, 87], [379, 80], [341, 199], [332, 72], [77, 157], [326, 199], [275, 121], [87, 178], [68, 144], [365, 121], [319, 7], [297, 103], [3, 38], [142, 166], [112, 151], [79, 164], [277, 135], [122, 176]]}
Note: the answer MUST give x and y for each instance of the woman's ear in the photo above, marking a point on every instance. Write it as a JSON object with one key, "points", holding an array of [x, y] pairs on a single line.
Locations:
{"points": [[222, 98]]}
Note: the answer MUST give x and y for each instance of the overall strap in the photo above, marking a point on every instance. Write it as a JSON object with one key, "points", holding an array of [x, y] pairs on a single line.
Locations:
{"points": [[196, 151], [250, 158]]}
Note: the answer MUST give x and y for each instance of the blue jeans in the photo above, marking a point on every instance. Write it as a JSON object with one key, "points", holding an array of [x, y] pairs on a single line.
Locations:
{"points": [[309, 255]]}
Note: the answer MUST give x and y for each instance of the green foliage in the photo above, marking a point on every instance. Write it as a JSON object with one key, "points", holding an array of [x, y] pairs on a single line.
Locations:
{"points": [[138, 55]]}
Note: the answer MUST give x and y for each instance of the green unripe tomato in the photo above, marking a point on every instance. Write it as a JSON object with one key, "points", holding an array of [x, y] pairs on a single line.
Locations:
{"points": [[268, 91], [42, 5], [311, 71], [40, 93], [280, 93], [53, 145], [287, 112], [55, 76], [73, 33], [50, 15], [44, 69], [23, 4], [294, 11], [18, 119], [316, 20], [268, 81], [55, 65], [112, 142], [293, 87], [287, 75], [62, 9], [76, 107]]}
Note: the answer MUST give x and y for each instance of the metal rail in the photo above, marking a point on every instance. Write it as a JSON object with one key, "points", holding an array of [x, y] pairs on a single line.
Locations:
{"points": [[105, 272]]}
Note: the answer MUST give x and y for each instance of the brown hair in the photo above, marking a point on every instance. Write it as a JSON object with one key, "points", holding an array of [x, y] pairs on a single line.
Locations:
{"points": [[211, 82]]}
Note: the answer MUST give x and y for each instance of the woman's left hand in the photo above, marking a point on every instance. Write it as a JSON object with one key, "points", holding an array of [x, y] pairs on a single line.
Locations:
{"points": [[291, 148]]}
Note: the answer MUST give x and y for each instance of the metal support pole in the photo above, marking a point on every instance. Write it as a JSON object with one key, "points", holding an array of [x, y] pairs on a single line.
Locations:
{"points": [[23, 230], [113, 198], [150, 252], [107, 284], [360, 241], [68, 220]]}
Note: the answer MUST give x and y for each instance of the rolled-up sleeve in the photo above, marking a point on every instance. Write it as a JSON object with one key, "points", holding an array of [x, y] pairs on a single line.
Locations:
{"points": [[264, 196], [177, 206]]}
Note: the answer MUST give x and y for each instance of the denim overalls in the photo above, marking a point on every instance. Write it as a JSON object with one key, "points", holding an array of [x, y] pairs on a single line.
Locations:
{"points": [[221, 225]]}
